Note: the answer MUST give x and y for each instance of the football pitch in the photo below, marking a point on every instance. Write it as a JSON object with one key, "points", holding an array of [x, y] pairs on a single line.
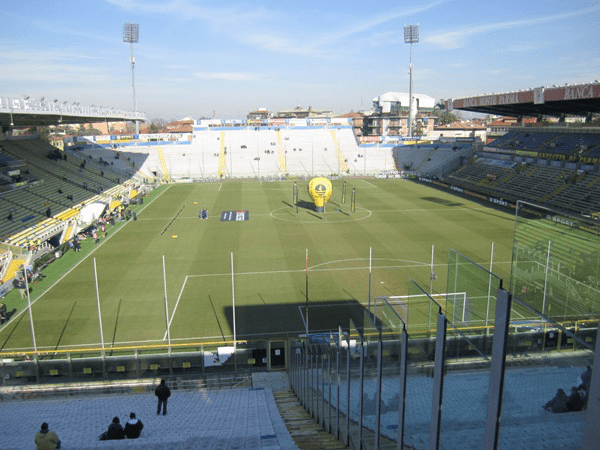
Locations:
{"points": [[252, 251]]}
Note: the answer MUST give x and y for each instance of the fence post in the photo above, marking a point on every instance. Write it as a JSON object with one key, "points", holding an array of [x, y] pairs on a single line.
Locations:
{"points": [[438, 382], [500, 339]]}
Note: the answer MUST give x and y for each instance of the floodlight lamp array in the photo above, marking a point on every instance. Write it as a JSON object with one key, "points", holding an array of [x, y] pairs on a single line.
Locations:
{"points": [[411, 34], [131, 33]]}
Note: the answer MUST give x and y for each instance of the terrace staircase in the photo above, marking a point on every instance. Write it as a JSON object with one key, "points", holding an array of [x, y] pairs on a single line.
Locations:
{"points": [[554, 193], [282, 158], [67, 233], [307, 434], [340, 155], [13, 267], [222, 159], [594, 181], [163, 163]]}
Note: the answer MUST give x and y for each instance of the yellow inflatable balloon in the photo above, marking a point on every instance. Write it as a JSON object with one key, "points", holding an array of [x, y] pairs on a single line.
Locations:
{"points": [[320, 190]]}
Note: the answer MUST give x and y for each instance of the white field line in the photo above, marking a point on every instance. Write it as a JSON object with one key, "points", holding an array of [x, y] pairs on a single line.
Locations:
{"points": [[369, 183], [391, 211], [267, 272], [176, 304], [313, 269]]}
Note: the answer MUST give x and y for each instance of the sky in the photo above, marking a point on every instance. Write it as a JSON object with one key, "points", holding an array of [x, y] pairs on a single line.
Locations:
{"points": [[223, 59]]}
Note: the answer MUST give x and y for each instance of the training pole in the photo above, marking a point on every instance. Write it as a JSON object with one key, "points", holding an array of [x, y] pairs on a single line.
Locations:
{"points": [[29, 308], [306, 289], [166, 306], [353, 200], [546, 279], [98, 306], [487, 313], [432, 273], [370, 277], [294, 189], [344, 193], [233, 305]]}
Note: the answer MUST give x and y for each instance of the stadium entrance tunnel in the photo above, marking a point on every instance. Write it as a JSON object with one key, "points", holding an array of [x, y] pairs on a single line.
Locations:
{"points": [[282, 319]]}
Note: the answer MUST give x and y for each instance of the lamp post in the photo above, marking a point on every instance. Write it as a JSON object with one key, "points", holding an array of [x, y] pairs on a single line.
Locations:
{"points": [[411, 36], [131, 34]]}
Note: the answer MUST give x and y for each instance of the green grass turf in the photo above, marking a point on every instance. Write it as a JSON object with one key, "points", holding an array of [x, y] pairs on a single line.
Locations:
{"points": [[399, 219]]}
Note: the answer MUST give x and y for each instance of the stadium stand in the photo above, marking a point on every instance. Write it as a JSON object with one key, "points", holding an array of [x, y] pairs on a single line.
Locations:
{"points": [[551, 168], [197, 419], [52, 188], [431, 159]]}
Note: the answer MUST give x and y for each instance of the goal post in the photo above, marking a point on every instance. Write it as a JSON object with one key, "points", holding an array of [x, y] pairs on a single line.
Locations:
{"points": [[418, 311]]}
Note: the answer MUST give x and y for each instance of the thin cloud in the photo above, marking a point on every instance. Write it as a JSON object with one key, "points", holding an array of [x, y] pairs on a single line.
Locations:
{"points": [[248, 25], [48, 27], [228, 76], [458, 39], [320, 46], [189, 10], [380, 19]]}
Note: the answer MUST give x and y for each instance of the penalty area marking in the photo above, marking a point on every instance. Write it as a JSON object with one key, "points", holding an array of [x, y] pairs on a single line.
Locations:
{"points": [[316, 268]]}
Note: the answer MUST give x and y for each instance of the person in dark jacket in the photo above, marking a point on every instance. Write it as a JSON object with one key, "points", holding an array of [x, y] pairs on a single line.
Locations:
{"points": [[558, 404], [163, 393], [133, 427], [576, 401], [115, 431]]}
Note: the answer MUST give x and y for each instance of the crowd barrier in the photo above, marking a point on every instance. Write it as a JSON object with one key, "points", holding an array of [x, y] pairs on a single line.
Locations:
{"points": [[135, 362]]}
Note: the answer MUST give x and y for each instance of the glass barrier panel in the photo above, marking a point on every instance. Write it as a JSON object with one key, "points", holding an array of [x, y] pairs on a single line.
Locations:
{"points": [[356, 360], [327, 385], [318, 383], [545, 390], [391, 329], [335, 388], [419, 379], [346, 347], [371, 381], [553, 325], [470, 299], [469, 307], [555, 264]]}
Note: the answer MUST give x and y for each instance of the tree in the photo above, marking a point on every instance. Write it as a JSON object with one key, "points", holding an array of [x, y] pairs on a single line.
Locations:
{"points": [[418, 131], [153, 128], [43, 133], [442, 115]]}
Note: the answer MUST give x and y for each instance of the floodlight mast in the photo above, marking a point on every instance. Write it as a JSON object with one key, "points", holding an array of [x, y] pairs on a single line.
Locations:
{"points": [[131, 34], [411, 36]]}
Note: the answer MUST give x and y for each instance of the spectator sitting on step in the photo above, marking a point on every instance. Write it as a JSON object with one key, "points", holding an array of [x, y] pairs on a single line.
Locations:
{"points": [[133, 427], [115, 431], [46, 439], [3, 313], [576, 401], [585, 379], [558, 404]]}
